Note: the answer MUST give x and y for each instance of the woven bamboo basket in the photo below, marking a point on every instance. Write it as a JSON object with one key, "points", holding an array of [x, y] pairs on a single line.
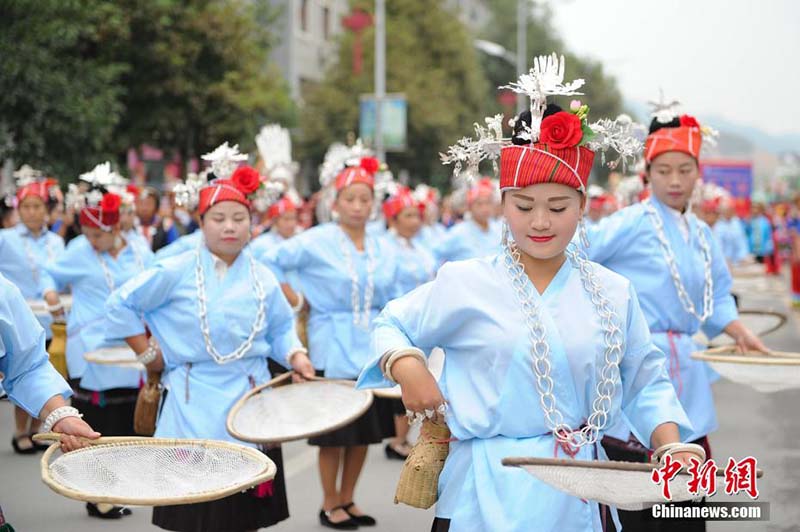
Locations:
{"points": [[419, 480], [146, 412], [58, 348]]}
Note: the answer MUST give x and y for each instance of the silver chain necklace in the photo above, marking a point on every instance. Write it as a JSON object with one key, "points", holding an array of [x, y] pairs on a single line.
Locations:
{"points": [[683, 295], [107, 273], [360, 319], [34, 266], [258, 324], [540, 349]]}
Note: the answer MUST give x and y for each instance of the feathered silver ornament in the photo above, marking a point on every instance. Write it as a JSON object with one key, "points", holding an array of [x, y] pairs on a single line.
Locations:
{"points": [[275, 147], [338, 157], [467, 154], [187, 193], [621, 135], [224, 160], [27, 175], [103, 176], [74, 198], [268, 193], [546, 78], [662, 110]]}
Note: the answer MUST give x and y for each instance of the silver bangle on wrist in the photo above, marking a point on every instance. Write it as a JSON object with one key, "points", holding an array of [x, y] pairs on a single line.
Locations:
{"points": [[57, 415], [393, 355], [301, 300], [678, 447], [148, 355]]}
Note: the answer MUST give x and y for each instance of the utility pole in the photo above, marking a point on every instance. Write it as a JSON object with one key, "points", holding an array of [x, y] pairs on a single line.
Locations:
{"points": [[380, 75], [522, 46]]}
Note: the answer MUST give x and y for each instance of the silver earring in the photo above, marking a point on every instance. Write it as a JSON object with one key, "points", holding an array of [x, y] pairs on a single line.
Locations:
{"points": [[505, 239], [582, 232]]}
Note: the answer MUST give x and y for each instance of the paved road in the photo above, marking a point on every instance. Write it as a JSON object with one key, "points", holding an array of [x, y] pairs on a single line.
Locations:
{"points": [[765, 425]]}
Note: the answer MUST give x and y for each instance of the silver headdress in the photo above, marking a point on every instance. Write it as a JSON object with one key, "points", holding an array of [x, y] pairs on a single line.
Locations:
{"points": [[337, 158], [275, 148], [27, 175], [546, 78], [187, 193], [224, 160], [665, 111], [103, 176]]}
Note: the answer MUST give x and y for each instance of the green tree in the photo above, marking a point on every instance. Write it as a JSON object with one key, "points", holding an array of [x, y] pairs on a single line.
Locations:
{"points": [[82, 81], [198, 74], [430, 58], [601, 91], [59, 96]]}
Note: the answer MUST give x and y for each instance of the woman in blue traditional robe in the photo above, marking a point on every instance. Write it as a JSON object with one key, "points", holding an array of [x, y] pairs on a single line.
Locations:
{"points": [[416, 265], [92, 266], [682, 279], [25, 249], [30, 381], [210, 361], [477, 236], [347, 276], [534, 313]]}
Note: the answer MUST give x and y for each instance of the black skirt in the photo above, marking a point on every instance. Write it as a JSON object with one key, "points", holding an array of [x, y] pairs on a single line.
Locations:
{"points": [[235, 513], [387, 410], [365, 430], [109, 412]]}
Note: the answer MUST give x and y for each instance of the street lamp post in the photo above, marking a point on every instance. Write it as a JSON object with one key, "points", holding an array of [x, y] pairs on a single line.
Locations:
{"points": [[380, 75], [522, 46]]}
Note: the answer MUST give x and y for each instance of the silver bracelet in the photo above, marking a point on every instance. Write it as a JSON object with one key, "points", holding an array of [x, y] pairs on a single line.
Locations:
{"points": [[57, 415], [148, 355], [678, 447], [301, 300], [293, 352], [54, 308], [397, 354]]}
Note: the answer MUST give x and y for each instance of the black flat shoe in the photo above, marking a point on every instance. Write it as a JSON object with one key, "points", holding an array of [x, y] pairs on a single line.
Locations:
{"points": [[324, 520], [117, 512], [361, 520], [38, 446], [19, 450], [393, 454]]}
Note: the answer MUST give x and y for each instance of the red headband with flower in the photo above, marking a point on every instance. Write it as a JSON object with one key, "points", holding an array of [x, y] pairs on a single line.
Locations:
{"points": [[104, 214], [402, 199], [686, 138], [243, 184], [363, 173], [280, 207]]}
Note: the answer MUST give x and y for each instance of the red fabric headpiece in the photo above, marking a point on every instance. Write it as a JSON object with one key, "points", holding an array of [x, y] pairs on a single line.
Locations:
{"points": [[395, 204], [597, 203], [522, 166], [38, 189], [711, 205], [280, 207], [483, 188], [244, 181], [686, 139], [363, 173], [103, 216]]}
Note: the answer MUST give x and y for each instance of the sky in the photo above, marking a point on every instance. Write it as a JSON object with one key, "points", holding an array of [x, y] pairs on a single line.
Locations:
{"points": [[732, 58]]}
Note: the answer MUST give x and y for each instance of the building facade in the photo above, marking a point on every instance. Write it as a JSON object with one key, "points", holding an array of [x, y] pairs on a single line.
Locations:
{"points": [[307, 35]]}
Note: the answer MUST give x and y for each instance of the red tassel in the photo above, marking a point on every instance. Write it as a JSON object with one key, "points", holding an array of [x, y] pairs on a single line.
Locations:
{"points": [[264, 490]]}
